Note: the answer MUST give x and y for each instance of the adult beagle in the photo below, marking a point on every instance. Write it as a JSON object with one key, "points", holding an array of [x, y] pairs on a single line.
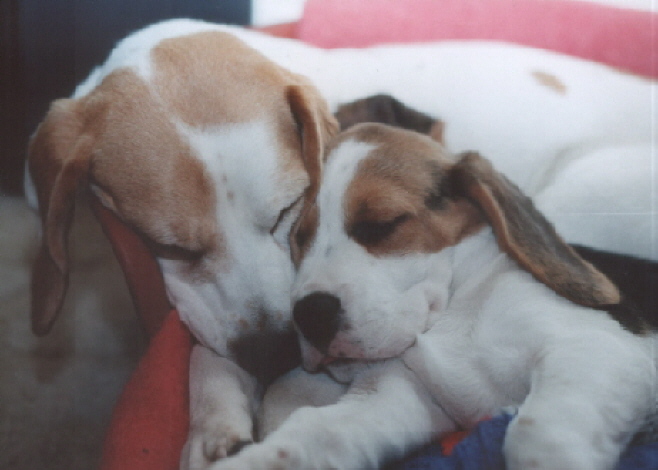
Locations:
{"points": [[204, 147], [432, 287]]}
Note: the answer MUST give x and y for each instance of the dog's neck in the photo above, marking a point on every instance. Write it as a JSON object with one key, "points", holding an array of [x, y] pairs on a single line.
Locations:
{"points": [[475, 262], [475, 254]]}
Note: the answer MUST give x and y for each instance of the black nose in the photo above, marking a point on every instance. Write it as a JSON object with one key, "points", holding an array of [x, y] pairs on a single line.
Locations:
{"points": [[318, 318]]}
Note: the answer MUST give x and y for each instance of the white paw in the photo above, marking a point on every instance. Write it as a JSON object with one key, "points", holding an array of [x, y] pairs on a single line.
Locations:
{"points": [[531, 444], [205, 447], [266, 457]]}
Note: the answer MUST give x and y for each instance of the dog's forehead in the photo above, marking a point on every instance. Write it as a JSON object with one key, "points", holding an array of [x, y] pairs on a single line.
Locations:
{"points": [[212, 78], [388, 168], [224, 91], [252, 172]]}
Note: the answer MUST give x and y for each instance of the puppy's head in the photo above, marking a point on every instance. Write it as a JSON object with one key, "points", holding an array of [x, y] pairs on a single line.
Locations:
{"points": [[206, 149], [374, 251]]}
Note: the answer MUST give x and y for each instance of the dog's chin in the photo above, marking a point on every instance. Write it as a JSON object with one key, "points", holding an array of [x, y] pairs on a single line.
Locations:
{"points": [[344, 370], [341, 369]]}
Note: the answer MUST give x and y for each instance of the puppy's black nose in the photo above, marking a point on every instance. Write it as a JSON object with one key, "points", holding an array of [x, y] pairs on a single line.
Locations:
{"points": [[318, 318]]}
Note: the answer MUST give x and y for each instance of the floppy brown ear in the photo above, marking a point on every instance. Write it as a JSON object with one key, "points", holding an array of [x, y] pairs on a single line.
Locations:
{"points": [[316, 126], [386, 109], [527, 237], [58, 160]]}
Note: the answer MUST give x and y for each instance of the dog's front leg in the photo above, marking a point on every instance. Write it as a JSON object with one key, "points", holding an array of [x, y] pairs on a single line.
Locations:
{"points": [[222, 402], [588, 396], [385, 413]]}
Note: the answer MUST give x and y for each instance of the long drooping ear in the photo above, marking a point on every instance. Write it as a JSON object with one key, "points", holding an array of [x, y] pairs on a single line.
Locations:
{"points": [[527, 237], [316, 126], [58, 162]]}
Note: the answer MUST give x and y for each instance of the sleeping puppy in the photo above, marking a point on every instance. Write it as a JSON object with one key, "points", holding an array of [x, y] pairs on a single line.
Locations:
{"points": [[205, 148], [434, 288], [636, 278]]}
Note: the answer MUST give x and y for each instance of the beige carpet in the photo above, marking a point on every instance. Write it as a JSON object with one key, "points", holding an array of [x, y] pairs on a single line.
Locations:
{"points": [[57, 392]]}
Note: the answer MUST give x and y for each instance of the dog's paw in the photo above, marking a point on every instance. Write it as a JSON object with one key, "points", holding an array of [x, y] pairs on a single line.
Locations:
{"points": [[531, 444], [266, 457], [204, 447]]}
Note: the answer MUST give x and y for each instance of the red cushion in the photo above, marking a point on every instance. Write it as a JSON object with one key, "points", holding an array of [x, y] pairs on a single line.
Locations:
{"points": [[150, 421]]}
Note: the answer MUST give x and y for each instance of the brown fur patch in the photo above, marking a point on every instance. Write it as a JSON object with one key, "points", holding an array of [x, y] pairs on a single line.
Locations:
{"points": [[401, 183], [213, 78], [147, 173]]}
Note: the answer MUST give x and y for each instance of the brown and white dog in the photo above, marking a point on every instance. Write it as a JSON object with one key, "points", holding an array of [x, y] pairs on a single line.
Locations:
{"points": [[437, 291], [205, 148]]}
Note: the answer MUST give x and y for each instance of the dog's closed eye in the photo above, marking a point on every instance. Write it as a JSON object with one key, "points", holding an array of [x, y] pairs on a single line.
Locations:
{"points": [[175, 252], [371, 233]]}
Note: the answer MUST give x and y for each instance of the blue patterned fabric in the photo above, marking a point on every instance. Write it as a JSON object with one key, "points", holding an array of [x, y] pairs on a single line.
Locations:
{"points": [[482, 450]]}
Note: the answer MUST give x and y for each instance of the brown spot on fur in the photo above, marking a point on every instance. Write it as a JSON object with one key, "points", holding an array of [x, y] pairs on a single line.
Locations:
{"points": [[550, 81], [526, 421]]}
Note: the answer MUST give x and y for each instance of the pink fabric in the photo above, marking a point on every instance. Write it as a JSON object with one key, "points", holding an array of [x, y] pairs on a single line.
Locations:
{"points": [[623, 38]]}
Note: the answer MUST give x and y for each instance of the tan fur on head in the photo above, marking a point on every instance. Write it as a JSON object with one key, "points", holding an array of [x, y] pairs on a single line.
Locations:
{"points": [[526, 236]]}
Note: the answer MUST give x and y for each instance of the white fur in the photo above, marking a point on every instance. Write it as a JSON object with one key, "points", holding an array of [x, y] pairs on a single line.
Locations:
{"points": [[257, 269]]}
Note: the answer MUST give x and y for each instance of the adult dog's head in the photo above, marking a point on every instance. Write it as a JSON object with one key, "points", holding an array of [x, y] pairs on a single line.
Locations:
{"points": [[375, 250], [206, 148]]}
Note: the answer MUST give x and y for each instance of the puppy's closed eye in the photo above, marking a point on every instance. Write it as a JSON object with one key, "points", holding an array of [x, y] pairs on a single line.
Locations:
{"points": [[370, 233]]}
